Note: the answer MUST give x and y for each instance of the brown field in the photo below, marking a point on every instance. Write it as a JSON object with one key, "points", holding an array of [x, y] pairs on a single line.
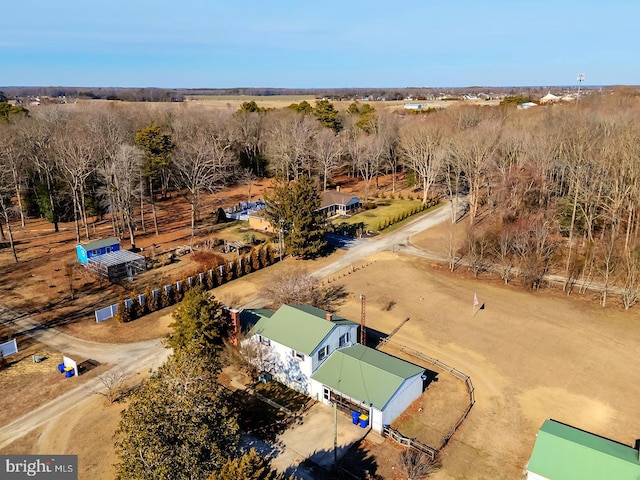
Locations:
{"points": [[531, 356], [233, 102]]}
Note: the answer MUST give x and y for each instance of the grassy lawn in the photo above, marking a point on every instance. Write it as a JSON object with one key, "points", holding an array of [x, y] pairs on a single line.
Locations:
{"points": [[386, 210]]}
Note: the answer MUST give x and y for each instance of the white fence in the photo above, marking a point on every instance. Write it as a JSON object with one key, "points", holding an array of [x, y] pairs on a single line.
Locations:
{"points": [[110, 311], [9, 348]]}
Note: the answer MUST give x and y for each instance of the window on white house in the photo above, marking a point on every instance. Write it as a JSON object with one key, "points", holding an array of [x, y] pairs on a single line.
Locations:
{"points": [[344, 339], [323, 352], [264, 340], [297, 355]]}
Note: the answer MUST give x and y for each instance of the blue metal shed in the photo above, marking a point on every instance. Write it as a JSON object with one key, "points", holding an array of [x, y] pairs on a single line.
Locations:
{"points": [[97, 248]]}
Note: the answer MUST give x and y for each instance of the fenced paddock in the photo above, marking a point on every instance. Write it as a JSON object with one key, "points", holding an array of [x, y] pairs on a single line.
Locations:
{"points": [[413, 443]]}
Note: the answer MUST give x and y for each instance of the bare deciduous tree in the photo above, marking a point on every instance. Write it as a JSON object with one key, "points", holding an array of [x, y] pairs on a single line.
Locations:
{"points": [[422, 146], [296, 286], [327, 151], [203, 159], [473, 150], [113, 385], [288, 142], [416, 465]]}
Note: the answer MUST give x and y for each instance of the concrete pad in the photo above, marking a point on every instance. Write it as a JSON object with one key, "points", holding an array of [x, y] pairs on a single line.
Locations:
{"points": [[313, 439]]}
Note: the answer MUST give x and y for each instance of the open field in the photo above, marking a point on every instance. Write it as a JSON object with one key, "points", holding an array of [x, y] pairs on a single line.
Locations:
{"points": [[233, 102], [531, 356]]}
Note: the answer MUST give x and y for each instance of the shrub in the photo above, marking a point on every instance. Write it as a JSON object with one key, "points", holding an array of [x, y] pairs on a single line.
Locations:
{"points": [[229, 272], [167, 298], [122, 315], [221, 217], [255, 259], [219, 274]]}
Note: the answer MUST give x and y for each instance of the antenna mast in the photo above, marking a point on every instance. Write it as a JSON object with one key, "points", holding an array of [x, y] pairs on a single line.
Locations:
{"points": [[580, 80], [363, 330]]}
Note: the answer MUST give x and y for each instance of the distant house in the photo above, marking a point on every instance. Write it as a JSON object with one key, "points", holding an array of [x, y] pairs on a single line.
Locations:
{"points": [[335, 202], [96, 248], [413, 106], [259, 221], [317, 353], [104, 258], [527, 105], [562, 452], [549, 98]]}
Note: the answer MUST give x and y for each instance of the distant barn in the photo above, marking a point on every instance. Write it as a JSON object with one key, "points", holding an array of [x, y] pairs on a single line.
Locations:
{"points": [[104, 258]]}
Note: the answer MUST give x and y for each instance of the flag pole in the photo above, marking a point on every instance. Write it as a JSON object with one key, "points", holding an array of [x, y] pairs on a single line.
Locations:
{"points": [[475, 303]]}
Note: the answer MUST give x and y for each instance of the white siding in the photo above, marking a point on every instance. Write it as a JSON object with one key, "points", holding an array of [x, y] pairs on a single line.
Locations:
{"points": [[284, 366], [333, 341], [535, 476], [410, 389]]}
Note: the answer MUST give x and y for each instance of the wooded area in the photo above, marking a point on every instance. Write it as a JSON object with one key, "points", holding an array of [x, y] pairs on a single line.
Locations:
{"points": [[551, 189]]}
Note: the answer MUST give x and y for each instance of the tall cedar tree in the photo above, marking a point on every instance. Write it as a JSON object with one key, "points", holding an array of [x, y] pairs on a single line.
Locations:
{"points": [[179, 425], [199, 325], [293, 208]]}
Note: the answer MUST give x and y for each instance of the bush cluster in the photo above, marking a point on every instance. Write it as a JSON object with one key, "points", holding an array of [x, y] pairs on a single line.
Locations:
{"points": [[220, 273]]}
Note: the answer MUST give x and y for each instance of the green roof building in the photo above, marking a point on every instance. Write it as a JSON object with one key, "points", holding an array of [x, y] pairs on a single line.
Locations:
{"points": [[382, 384], [316, 352], [562, 452], [292, 342]]}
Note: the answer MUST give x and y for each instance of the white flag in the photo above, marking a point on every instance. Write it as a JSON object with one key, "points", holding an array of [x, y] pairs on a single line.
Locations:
{"points": [[475, 300]]}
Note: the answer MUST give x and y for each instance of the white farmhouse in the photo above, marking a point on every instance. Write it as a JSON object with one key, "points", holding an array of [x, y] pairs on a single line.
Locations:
{"points": [[316, 353]]}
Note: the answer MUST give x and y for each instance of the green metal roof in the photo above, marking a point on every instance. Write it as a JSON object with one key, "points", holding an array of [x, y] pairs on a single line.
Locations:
{"points": [[107, 242], [365, 374], [300, 327], [562, 452]]}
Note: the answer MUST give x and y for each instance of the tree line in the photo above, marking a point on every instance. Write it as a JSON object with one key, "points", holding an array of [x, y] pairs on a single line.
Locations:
{"points": [[552, 188]]}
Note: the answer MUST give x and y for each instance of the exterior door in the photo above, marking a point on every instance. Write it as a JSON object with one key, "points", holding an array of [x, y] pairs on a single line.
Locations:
{"points": [[326, 394]]}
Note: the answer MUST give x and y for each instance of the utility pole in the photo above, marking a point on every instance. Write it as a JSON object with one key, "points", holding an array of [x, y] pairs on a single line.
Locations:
{"points": [[335, 433], [363, 329]]}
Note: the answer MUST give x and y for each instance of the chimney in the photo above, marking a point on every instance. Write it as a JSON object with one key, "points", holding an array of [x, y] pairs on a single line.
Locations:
{"points": [[329, 317], [637, 447], [235, 326]]}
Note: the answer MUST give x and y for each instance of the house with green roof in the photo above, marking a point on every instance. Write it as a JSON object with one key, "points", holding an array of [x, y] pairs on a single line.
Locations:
{"points": [[381, 385], [292, 342], [316, 352], [563, 452]]}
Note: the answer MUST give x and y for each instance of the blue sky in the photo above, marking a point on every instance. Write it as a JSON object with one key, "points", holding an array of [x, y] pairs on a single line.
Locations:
{"points": [[348, 43]]}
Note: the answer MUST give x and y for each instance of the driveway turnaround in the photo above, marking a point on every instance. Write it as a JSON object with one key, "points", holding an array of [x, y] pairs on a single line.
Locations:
{"points": [[314, 438]]}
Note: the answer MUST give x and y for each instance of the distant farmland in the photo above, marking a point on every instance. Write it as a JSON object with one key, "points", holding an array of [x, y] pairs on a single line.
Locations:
{"points": [[233, 102]]}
